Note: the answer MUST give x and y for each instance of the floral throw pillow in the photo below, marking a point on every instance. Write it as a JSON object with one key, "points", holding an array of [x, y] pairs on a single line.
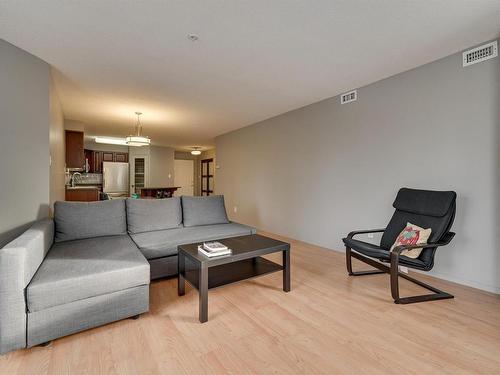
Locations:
{"points": [[412, 235]]}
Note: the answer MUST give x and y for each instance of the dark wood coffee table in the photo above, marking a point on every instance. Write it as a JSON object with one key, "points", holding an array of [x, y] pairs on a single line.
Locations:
{"points": [[246, 262]]}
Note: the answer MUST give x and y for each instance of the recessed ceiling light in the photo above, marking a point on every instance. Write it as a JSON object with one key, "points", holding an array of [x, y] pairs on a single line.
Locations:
{"points": [[193, 37]]}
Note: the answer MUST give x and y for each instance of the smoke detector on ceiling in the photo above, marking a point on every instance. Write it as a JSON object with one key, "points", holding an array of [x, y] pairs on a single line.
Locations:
{"points": [[481, 53], [348, 97]]}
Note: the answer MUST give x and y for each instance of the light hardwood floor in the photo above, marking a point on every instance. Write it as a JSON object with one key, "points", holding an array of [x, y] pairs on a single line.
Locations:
{"points": [[328, 324]]}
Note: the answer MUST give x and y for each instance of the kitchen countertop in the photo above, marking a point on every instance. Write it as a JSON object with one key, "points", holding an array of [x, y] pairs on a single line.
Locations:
{"points": [[83, 187], [158, 188]]}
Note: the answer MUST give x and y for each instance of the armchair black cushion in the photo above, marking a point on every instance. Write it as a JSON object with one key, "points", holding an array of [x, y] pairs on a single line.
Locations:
{"points": [[425, 208], [384, 255]]}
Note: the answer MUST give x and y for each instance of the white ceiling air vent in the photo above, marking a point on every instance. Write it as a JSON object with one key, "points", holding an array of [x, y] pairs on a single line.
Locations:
{"points": [[481, 53], [348, 97]]}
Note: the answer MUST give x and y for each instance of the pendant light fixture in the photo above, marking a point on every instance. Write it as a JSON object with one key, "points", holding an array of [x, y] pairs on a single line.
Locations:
{"points": [[196, 151], [138, 139]]}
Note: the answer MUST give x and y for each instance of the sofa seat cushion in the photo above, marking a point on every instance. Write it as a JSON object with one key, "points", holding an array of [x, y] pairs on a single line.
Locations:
{"points": [[164, 242], [80, 269]]}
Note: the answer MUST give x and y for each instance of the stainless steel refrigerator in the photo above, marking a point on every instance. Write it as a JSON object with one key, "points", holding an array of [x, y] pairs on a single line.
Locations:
{"points": [[115, 179]]}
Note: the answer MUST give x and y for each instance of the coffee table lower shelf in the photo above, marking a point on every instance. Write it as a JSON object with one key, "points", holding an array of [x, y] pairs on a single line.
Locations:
{"points": [[234, 272]]}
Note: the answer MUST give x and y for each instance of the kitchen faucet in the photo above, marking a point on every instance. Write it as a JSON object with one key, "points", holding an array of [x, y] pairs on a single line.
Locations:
{"points": [[73, 178]]}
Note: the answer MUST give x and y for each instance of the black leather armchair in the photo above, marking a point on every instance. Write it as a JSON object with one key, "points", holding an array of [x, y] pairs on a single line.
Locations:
{"points": [[425, 208]]}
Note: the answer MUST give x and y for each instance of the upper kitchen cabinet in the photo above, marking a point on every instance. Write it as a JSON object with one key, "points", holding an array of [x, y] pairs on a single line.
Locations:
{"points": [[95, 159], [108, 156], [96, 166], [121, 157], [75, 157]]}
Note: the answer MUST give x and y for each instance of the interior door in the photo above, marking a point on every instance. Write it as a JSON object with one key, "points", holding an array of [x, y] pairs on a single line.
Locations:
{"points": [[139, 173], [207, 176], [184, 177]]}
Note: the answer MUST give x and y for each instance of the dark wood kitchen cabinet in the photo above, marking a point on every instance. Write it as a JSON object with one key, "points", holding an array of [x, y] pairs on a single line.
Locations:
{"points": [[75, 157], [82, 195], [108, 156], [96, 158], [97, 162], [121, 157]]}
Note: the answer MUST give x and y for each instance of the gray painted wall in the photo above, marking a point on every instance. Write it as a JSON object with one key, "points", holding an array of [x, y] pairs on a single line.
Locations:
{"points": [[161, 164], [24, 140], [161, 167], [57, 149], [320, 171]]}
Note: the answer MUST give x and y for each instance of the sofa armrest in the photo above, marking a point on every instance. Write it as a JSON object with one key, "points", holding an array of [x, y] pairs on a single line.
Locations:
{"points": [[19, 261]]}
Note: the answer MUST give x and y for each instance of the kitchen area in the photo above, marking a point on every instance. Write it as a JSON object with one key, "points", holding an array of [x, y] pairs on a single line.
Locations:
{"points": [[97, 171]]}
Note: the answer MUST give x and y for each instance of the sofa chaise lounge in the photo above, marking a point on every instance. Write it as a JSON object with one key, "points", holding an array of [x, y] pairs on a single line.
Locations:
{"points": [[92, 264]]}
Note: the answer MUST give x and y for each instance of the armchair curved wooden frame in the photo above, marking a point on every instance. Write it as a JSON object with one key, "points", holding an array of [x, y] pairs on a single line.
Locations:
{"points": [[393, 269]]}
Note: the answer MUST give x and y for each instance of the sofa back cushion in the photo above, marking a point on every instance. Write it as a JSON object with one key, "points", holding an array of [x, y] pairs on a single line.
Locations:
{"points": [[146, 215], [203, 210], [78, 220]]}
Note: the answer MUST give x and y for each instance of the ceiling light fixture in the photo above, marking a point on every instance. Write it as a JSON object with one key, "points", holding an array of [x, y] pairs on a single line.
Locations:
{"points": [[196, 151], [111, 141], [138, 139]]}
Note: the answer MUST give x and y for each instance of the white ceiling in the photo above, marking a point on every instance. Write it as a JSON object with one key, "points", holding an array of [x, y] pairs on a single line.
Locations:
{"points": [[254, 59]]}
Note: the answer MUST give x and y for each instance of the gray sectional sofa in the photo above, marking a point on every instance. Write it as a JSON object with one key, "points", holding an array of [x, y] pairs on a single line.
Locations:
{"points": [[93, 262]]}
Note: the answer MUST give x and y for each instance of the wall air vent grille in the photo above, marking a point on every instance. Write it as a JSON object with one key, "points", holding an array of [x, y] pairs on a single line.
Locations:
{"points": [[481, 53], [348, 97]]}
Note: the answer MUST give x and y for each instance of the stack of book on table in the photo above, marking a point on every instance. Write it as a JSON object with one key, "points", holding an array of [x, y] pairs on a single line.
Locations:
{"points": [[213, 249]]}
